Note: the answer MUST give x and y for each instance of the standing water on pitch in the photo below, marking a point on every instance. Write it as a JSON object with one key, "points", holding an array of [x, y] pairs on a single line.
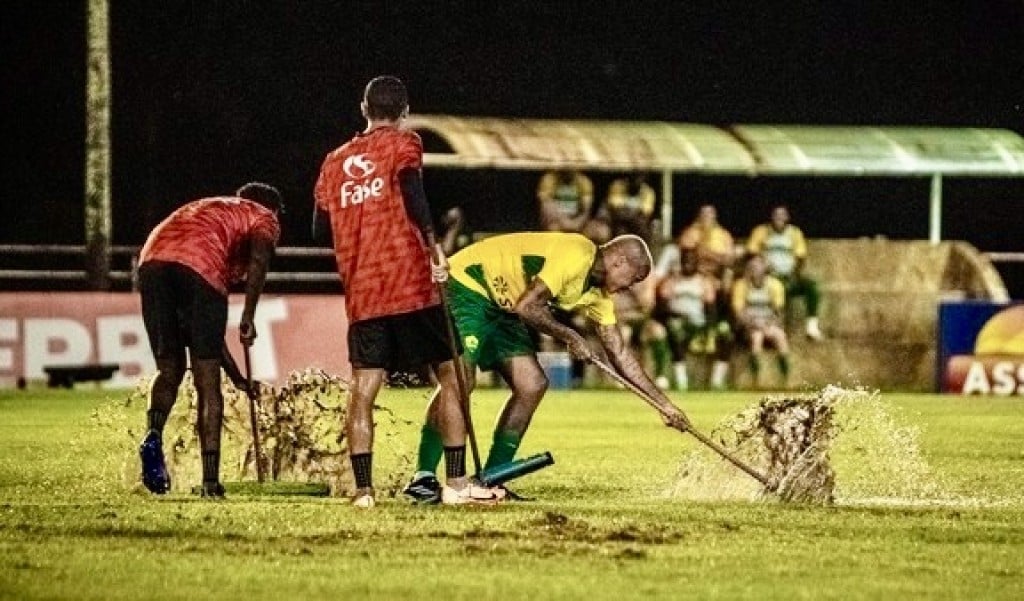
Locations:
{"points": [[838, 445]]}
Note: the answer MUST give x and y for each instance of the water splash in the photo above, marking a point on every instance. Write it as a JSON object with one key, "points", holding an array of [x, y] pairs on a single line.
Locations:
{"points": [[301, 427], [836, 446]]}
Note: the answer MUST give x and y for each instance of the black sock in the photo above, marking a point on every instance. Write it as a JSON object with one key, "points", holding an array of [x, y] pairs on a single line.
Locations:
{"points": [[211, 466], [362, 468], [455, 462], [157, 419]]}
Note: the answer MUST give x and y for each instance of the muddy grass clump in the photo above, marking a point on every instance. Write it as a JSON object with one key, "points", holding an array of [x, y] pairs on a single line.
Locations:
{"points": [[793, 436]]}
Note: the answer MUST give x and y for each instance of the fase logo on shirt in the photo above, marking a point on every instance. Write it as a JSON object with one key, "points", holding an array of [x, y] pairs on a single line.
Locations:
{"points": [[361, 185]]}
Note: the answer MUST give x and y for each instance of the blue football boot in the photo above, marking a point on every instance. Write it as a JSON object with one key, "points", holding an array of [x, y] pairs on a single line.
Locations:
{"points": [[154, 470]]}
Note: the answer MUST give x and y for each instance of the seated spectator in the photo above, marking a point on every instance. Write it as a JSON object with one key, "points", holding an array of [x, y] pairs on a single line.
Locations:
{"points": [[758, 300], [682, 320], [784, 248], [566, 198], [712, 242], [629, 207], [715, 252]]}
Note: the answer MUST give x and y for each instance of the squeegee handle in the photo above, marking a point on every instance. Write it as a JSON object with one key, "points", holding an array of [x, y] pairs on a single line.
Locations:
{"points": [[686, 428]]}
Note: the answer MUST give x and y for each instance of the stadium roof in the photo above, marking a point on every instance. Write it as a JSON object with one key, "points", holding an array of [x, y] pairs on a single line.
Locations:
{"points": [[817, 150], [481, 142], [502, 143]]}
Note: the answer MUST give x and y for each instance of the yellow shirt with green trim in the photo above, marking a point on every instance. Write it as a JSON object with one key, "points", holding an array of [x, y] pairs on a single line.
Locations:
{"points": [[501, 267], [780, 249], [572, 198], [642, 201], [765, 301]]}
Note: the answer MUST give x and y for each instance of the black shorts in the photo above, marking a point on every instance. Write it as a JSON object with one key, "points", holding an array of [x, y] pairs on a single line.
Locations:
{"points": [[180, 309], [400, 342]]}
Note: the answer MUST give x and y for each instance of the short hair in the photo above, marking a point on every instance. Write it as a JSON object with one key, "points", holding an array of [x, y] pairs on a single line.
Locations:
{"points": [[633, 247], [751, 259], [385, 98], [265, 194]]}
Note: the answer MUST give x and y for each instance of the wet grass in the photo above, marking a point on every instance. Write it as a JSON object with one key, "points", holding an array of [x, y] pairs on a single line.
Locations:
{"points": [[602, 527]]}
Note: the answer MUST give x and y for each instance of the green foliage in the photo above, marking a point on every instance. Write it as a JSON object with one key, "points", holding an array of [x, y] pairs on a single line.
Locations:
{"points": [[603, 526]]}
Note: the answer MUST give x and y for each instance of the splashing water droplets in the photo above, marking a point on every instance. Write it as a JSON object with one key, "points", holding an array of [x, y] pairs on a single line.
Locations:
{"points": [[838, 445], [301, 430]]}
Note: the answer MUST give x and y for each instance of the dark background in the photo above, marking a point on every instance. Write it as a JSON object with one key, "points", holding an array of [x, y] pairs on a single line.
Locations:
{"points": [[209, 95]]}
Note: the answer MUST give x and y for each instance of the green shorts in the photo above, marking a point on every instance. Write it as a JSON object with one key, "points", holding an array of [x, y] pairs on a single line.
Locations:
{"points": [[685, 335], [489, 334]]}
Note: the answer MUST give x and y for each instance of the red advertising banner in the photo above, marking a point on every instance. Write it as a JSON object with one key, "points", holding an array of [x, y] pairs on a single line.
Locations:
{"points": [[39, 329]]}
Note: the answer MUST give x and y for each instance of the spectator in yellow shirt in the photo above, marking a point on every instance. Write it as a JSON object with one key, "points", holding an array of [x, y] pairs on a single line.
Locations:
{"points": [[713, 245], [629, 207], [757, 303], [784, 248], [566, 200]]}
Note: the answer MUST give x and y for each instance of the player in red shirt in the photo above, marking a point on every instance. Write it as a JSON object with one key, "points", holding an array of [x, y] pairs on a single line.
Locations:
{"points": [[186, 267], [371, 190]]}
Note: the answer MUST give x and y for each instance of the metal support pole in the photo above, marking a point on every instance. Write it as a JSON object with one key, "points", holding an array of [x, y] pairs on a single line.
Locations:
{"points": [[935, 210], [666, 205]]}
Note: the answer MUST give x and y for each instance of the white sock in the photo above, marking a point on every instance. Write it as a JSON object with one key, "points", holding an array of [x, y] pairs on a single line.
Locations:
{"points": [[718, 373], [812, 327], [682, 379]]}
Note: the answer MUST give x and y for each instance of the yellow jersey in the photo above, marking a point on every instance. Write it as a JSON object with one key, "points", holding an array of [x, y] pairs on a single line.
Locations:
{"points": [[619, 198], [572, 198], [501, 267], [763, 302], [780, 249], [714, 247]]}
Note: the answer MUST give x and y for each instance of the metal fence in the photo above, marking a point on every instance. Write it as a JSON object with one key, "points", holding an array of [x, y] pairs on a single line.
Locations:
{"points": [[64, 264], [294, 267]]}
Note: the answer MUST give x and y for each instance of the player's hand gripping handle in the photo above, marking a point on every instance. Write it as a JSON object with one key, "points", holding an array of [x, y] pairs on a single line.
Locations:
{"points": [[438, 266], [247, 331], [580, 349]]}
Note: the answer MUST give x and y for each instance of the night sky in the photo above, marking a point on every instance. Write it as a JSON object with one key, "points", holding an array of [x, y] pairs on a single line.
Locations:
{"points": [[208, 95]]}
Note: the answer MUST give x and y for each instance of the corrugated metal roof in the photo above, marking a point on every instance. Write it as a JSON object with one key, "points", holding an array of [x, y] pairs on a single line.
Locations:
{"points": [[599, 145], [487, 142], [795, 149]]}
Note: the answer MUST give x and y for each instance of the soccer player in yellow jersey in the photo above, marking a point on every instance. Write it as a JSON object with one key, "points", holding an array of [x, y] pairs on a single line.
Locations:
{"points": [[757, 303], [784, 248], [500, 289]]}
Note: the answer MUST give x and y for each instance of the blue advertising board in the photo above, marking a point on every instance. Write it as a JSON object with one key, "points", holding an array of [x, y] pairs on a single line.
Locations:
{"points": [[981, 348]]}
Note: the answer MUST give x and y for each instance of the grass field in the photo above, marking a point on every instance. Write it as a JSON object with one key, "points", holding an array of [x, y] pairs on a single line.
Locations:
{"points": [[602, 526]]}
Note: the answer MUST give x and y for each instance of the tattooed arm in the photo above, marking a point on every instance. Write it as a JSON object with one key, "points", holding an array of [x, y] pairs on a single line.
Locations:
{"points": [[627, 365], [532, 308]]}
